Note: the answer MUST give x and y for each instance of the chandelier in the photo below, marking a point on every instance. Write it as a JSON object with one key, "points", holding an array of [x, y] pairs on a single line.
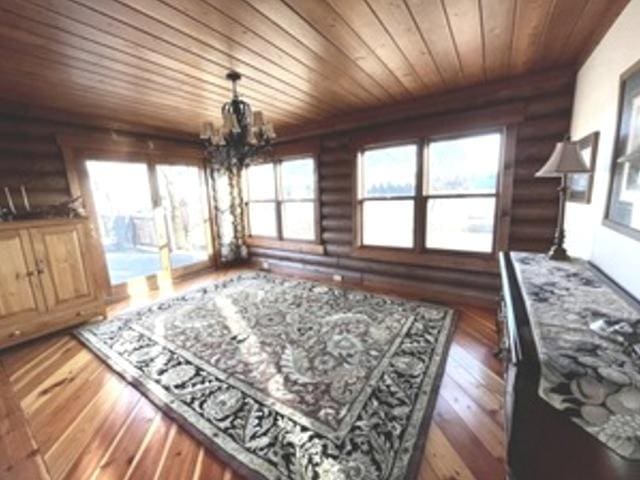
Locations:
{"points": [[244, 136]]}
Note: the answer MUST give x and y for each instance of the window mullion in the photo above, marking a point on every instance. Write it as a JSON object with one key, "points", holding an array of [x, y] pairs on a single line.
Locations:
{"points": [[278, 199], [419, 215]]}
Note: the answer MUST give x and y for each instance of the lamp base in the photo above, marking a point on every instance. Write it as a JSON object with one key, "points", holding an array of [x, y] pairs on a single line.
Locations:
{"points": [[558, 252]]}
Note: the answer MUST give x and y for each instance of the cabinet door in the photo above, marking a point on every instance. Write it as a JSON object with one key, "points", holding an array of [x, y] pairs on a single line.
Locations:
{"points": [[20, 293], [61, 261]]}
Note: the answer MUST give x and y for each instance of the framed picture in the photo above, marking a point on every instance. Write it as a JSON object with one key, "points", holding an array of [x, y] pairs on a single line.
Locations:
{"points": [[623, 208], [579, 185]]}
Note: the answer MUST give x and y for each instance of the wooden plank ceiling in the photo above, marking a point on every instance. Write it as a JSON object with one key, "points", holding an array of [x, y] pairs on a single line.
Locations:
{"points": [[161, 63]]}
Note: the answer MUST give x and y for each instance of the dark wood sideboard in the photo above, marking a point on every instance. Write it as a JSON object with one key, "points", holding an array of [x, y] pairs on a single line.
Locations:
{"points": [[542, 442]]}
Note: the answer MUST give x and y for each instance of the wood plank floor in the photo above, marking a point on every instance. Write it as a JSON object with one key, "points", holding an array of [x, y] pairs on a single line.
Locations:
{"points": [[65, 415]]}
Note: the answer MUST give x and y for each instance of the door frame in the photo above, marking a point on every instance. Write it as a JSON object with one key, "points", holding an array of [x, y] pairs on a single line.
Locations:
{"points": [[78, 149]]}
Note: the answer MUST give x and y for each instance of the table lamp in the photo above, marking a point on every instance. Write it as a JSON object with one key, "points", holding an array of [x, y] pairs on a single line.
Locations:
{"points": [[565, 159]]}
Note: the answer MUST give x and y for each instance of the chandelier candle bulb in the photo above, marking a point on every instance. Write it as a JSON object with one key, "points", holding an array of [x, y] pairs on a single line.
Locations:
{"points": [[235, 125], [206, 131], [251, 137], [258, 119], [269, 131], [9, 200], [218, 137], [25, 199], [226, 121]]}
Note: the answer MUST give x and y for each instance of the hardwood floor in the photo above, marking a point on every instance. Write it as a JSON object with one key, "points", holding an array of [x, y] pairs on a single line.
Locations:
{"points": [[65, 414]]}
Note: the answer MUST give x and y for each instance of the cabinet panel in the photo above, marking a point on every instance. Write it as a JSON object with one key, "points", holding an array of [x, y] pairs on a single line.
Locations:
{"points": [[20, 293], [61, 263], [46, 282]]}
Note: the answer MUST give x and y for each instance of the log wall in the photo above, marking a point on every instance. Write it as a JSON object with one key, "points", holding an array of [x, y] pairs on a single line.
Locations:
{"points": [[546, 101], [30, 156]]}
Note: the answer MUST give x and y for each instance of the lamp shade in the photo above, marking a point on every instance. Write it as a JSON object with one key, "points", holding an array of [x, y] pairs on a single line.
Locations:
{"points": [[566, 158]]}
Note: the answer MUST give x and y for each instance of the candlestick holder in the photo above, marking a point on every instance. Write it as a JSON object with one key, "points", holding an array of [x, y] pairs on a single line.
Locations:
{"points": [[5, 215]]}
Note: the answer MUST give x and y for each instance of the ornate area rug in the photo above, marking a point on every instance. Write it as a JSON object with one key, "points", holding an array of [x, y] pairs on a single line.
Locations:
{"points": [[288, 379]]}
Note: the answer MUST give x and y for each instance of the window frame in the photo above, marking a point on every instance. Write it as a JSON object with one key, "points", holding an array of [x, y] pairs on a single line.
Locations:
{"points": [[421, 198], [280, 240], [360, 199], [274, 201]]}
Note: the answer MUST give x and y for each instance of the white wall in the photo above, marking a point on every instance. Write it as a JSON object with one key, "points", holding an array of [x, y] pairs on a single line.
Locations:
{"points": [[596, 108]]}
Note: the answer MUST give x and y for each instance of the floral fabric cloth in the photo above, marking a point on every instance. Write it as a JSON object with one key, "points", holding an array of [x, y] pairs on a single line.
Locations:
{"points": [[588, 340], [230, 234]]}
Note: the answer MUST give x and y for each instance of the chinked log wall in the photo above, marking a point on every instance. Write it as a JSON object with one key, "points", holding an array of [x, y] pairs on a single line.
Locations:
{"points": [[546, 101], [30, 156]]}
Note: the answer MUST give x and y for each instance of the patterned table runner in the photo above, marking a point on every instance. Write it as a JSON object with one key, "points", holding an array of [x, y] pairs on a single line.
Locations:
{"points": [[588, 340]]}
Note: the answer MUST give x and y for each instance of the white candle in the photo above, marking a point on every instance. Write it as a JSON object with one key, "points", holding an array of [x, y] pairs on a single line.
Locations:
{"points": [[206, 131], [9, 200], [25, 199], [258, 119], [227, 121]]}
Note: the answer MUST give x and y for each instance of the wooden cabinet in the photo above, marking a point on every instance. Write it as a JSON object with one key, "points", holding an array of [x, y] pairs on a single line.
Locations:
{"points": [[20, 295], [46, 280], [543, 442]]}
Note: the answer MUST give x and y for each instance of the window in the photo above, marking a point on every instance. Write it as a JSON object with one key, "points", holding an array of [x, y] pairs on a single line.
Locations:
{"points": [[462, 179], [281, 199], [387, 195], [431, 195], [261, 194], [298, 189]]}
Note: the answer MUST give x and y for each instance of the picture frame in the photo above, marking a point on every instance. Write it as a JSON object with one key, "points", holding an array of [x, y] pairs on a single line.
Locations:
{"points": [[580, 185], [623, 202]]}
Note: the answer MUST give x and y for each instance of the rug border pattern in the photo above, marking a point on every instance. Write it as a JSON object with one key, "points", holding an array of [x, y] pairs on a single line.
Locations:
{"points": [[251, 466]]}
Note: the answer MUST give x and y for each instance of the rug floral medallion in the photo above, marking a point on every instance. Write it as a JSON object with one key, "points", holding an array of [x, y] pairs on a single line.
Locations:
{"points": [[288, 379]]}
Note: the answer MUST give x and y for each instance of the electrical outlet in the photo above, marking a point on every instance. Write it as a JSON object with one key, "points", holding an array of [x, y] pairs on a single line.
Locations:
{"points": [[337, 278], [265, 265]]}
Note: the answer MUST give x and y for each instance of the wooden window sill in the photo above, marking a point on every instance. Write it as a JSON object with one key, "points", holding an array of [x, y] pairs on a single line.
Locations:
{"points": [[477, 262], [294, 246]]}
